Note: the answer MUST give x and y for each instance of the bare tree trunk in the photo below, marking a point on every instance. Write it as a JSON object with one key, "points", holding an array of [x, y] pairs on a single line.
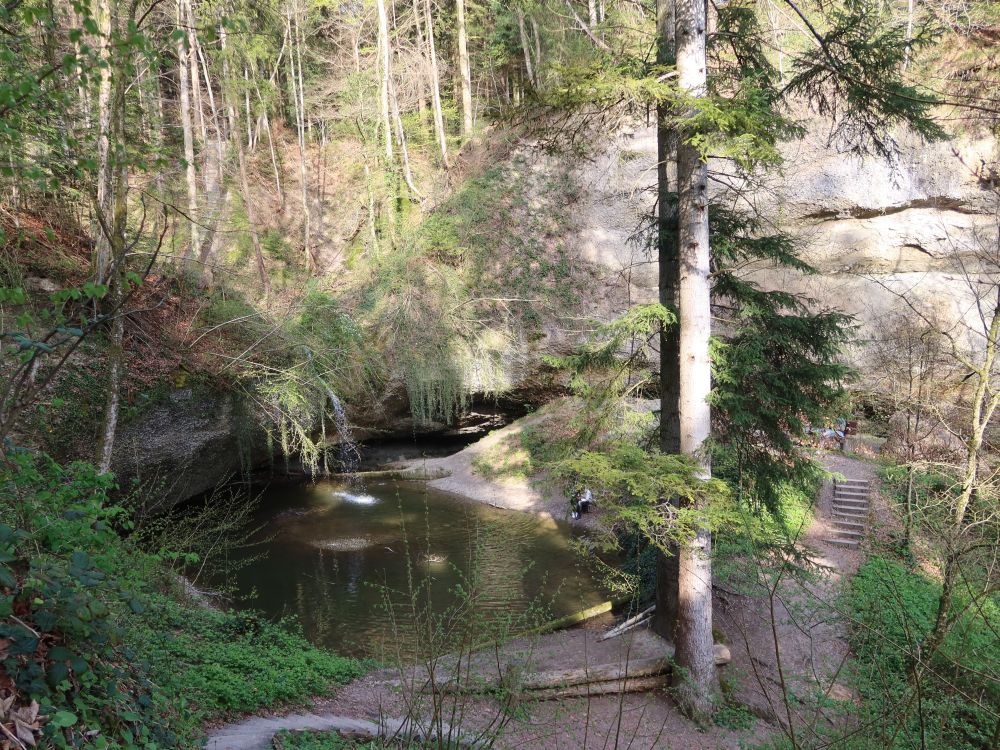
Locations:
{"points": [[246, 103], [525, 47], [266, 123], [538, 44], [436, 86], [248, 204], [185, 114], [102, 258], [404, 153], [385, 57], [464, 68], [667, 570], [216, 121], [114, 224], [195, 78], [909, 32], [592, 12], [695, 681], [421, 74], [295, 63], [274, 161]]}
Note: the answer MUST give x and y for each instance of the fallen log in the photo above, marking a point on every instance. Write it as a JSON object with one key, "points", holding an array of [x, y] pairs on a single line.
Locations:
{"points": [[630, 623], [576, 618], [611, 687], [590, 676]]}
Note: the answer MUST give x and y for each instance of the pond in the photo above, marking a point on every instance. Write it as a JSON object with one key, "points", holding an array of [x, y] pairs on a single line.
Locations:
{"points": [[327, 552]]}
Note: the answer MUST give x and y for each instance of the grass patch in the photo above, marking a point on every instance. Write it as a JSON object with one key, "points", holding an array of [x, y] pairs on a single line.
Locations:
{"points": [[508, 459]]}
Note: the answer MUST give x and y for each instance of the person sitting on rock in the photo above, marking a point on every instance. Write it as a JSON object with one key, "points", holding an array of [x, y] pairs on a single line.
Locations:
{"points": [[581, 501]]}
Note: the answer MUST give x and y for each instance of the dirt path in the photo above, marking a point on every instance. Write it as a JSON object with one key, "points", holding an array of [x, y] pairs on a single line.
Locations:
{"points": [[809, 631], [640, 721]]}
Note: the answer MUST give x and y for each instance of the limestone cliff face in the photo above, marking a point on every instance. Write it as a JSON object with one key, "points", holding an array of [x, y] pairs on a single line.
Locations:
{"points": [[870, 227]]}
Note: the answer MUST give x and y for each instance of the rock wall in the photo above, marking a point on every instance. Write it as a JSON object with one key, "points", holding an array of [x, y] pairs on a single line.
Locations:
{"points": [[873, 229], [186, 444]]}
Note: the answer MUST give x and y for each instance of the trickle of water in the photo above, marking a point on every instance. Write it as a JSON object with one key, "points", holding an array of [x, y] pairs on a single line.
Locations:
{"points": [[350, 456]]}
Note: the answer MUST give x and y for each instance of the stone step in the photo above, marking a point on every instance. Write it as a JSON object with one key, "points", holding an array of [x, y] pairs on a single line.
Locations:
{"points": [[848, 511], [849, 504], [857, 525], [847, 534], [851, 482], [842, 492], [842, 543]]}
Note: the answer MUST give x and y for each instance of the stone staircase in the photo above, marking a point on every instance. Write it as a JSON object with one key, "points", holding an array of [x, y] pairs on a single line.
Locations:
{"points": [[850, 512]]}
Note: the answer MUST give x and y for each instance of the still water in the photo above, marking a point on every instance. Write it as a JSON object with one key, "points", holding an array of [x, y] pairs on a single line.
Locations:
{"points": [[327, 552]]}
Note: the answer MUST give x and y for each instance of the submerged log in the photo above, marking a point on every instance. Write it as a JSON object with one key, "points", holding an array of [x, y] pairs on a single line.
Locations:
{"points": [[576, 618]]}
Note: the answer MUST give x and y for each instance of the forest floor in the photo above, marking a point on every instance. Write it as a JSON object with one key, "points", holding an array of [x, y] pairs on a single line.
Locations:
{"points": [[801, 617]]}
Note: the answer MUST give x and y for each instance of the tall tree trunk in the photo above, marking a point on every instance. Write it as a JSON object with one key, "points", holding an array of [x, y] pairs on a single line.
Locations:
{"points": [[295, 65], [909, 31], [695, 681], [592, 12], [385, 71], [404, 153], [435, 86], [195, 78], [185, 114], [232, 110], [421, 73], [538, 44], [667, 570], [525, 47], [464, 68], [102, 257], [114, 225], [216, 123]]}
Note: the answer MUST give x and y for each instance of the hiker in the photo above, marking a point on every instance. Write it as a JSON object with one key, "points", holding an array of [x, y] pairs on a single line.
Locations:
{"points": [[583, 498]]}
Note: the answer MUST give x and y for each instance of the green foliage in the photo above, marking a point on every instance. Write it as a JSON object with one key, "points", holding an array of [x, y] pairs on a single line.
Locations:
{"points": [[734, 716], [234, 661], [86, 633], [854, 76], [777, 370], [636, 488], [893, 609]]}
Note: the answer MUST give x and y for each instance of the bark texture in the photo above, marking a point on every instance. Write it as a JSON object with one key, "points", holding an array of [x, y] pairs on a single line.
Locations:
{"points": [[695, 680], [667, 570]]}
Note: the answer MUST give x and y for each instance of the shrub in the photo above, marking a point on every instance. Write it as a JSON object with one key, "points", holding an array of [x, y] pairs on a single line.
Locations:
{"points": [[893, 609], [94, 654]]}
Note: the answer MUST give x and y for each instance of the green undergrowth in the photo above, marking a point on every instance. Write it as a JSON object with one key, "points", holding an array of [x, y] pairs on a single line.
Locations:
{"points": [[98, 649], [893, 608]]}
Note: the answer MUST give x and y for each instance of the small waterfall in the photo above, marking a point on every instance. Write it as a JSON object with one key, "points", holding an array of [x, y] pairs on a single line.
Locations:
{"points": [[350, 456]]}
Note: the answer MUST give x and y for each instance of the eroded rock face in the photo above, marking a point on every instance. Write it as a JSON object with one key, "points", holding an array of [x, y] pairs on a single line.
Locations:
{"points": [[187, 444], [873, 229]]}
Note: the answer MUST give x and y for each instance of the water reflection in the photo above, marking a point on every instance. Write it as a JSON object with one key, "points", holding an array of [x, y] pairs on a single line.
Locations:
{"points": [[330, 548]]}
